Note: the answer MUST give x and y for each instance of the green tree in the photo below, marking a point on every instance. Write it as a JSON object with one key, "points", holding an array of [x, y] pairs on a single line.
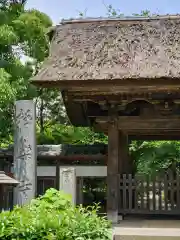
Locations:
{"points": [[154, 156], [68, 134], [22, 35]]}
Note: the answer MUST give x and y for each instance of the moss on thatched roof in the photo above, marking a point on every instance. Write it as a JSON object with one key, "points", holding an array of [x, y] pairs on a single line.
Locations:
{"points": [[98, 49]]}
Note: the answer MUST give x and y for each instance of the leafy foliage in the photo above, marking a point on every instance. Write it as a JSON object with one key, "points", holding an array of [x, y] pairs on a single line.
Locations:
{"points": [[52, 217], [22, 33], [154, 156], [68, 134]]}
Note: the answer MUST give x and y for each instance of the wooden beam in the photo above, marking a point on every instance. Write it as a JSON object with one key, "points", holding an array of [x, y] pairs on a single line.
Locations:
{"points": [[144, 134], [126, 97], [140, 123], [132, 123], [152, 135], [112, 172], [149, 134], [155, 137], [114, 85], [157, 95]]}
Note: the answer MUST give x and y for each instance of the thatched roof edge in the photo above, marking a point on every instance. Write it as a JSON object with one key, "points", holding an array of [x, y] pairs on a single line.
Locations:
{"points": [[123, 18]]}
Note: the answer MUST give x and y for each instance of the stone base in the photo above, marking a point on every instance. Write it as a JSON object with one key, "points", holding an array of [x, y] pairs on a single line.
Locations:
{"points": [[120, 218], [113, 217], [120, 233]]}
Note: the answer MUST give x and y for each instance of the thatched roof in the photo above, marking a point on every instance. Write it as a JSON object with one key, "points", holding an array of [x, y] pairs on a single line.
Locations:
{"points": [[97, 49], [4, 179]]}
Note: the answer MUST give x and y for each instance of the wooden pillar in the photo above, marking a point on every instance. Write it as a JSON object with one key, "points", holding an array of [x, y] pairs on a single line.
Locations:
{"points": [[1, 197], [112, 172], [79, 193], [58, 174]]}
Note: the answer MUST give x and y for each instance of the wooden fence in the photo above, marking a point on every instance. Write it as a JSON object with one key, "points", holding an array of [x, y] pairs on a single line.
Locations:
{"points": [[150, 195]]}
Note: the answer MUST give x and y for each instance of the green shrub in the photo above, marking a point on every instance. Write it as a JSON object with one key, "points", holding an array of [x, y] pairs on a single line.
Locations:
{"points": [[52, 217]]}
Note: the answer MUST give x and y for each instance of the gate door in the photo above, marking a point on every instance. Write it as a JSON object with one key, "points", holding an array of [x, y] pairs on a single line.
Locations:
{"points": [[142, 194]]}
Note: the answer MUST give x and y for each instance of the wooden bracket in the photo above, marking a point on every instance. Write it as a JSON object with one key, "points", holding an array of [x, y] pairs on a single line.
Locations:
{"points": [[113, 114]]}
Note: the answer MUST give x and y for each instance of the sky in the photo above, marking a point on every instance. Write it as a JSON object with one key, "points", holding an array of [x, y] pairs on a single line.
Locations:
{"points": [[59, 9]]}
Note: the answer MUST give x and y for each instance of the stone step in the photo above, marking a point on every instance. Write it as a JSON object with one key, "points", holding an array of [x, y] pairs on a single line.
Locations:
{"points": [[120, 233]]}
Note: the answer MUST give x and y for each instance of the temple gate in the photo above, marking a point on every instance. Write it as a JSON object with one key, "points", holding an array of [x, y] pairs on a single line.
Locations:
{"points": [[121, 77]]}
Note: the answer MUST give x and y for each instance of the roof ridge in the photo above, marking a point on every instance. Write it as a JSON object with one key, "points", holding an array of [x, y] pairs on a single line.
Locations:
{"points": [[123, 18]]}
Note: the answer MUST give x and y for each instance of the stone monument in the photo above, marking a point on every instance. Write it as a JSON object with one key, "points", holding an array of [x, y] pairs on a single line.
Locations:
{"points": [[68, 182], [25, 160]]}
